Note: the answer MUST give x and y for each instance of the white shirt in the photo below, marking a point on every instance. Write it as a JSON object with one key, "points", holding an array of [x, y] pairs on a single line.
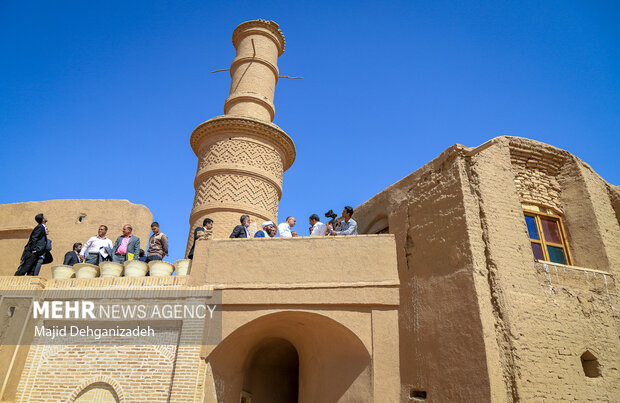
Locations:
{"points": [[318, 229], [94, 245], [284, 230]]}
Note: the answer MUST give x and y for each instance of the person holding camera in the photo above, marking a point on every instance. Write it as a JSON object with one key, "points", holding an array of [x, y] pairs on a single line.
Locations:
{"points": [[348, 226]]}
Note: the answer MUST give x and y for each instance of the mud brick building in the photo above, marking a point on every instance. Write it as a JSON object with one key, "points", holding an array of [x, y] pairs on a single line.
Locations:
{"points": [[489, 274]]}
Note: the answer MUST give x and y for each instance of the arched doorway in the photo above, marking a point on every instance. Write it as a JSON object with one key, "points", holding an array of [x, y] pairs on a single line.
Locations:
{"points": [[272, 373], [333, 363]]}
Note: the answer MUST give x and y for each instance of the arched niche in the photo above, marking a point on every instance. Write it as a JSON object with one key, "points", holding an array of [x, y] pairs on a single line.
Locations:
{"points": [[379, 225], [590, 365], [334, 364], [99, 392], [100, 389]]}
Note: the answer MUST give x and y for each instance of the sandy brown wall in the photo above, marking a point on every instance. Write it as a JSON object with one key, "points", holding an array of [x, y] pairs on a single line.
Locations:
{"points": [[17, 221], [473, 299], [441, 336], [546, 316]]}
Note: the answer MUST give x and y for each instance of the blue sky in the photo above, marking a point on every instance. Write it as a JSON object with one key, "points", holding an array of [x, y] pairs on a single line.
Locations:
{"points": [[116, 88]]}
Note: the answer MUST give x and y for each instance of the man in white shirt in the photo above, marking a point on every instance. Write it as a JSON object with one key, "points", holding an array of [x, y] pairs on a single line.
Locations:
{"points": [[94, 250], [284, 229], [317, 228]]}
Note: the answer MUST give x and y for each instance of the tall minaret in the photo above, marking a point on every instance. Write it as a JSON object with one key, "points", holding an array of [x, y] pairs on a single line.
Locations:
{"points": [[242, 155]]}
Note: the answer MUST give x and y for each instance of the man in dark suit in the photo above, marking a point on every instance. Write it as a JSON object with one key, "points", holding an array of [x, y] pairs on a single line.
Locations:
{"points": [[241, 231], [46, 257], [36, 246], [73, 257], [207, 224]]}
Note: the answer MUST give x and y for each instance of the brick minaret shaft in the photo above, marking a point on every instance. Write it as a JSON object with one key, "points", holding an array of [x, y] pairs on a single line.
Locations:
{"points": [[242, 155]]}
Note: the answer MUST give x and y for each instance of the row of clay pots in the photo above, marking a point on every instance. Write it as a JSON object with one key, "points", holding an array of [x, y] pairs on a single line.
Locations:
{"points": [[131, 268]]}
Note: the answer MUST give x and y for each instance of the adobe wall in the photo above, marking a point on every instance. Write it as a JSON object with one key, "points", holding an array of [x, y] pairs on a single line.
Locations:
{"points": [[546, 318], [17, 222], [441, 334], [334, 299], [531, 321], [339, 314]]}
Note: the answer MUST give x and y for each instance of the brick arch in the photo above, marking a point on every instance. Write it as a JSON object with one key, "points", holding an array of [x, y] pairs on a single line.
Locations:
{"points": [[99, 379]]}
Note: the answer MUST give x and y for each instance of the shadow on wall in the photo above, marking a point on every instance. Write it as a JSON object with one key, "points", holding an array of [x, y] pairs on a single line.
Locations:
{"points": [[309, 356], [273, 372], [98, 392]]}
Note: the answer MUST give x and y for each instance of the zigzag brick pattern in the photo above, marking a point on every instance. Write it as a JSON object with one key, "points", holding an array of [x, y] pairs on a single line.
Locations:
{"points": [[243, 153], [240, 189]]}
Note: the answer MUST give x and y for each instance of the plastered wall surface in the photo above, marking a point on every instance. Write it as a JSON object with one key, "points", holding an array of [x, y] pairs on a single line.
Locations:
{"points": [[69, 221], [341, 320], [520, 324]]}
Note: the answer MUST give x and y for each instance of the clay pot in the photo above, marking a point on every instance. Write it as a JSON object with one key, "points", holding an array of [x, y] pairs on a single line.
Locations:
{"points": [[158, 268], [62, 271], [183, 267], [111, 269], [85, 270], [135, 268]]}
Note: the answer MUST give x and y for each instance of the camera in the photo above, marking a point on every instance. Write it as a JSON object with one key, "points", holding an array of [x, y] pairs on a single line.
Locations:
{"points": [[335, 223]]}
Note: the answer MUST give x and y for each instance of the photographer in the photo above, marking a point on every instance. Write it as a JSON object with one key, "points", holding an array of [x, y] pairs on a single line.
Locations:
{"points": [[348, 226]]}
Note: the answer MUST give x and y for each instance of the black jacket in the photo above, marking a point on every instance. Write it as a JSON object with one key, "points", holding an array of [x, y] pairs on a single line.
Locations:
{"points": [[71, 258], [191, 251], [37, 243], [239, 232]]}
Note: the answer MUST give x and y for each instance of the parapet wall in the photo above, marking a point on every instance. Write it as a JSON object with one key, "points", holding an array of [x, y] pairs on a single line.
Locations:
{"points": [[315, 261]]}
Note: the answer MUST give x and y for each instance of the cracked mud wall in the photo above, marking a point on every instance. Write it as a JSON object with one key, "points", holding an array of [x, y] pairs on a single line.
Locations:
{"points": [[442, 346], [480, 319], [548, 315]]}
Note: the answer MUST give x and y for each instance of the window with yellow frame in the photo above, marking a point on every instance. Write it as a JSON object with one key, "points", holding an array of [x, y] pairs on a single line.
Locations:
{"points": [[547, 235]]}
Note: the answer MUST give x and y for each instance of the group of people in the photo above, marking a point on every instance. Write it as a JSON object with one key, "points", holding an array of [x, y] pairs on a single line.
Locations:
{"points": [[100, 248], [97, 249], [348, 226]]}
